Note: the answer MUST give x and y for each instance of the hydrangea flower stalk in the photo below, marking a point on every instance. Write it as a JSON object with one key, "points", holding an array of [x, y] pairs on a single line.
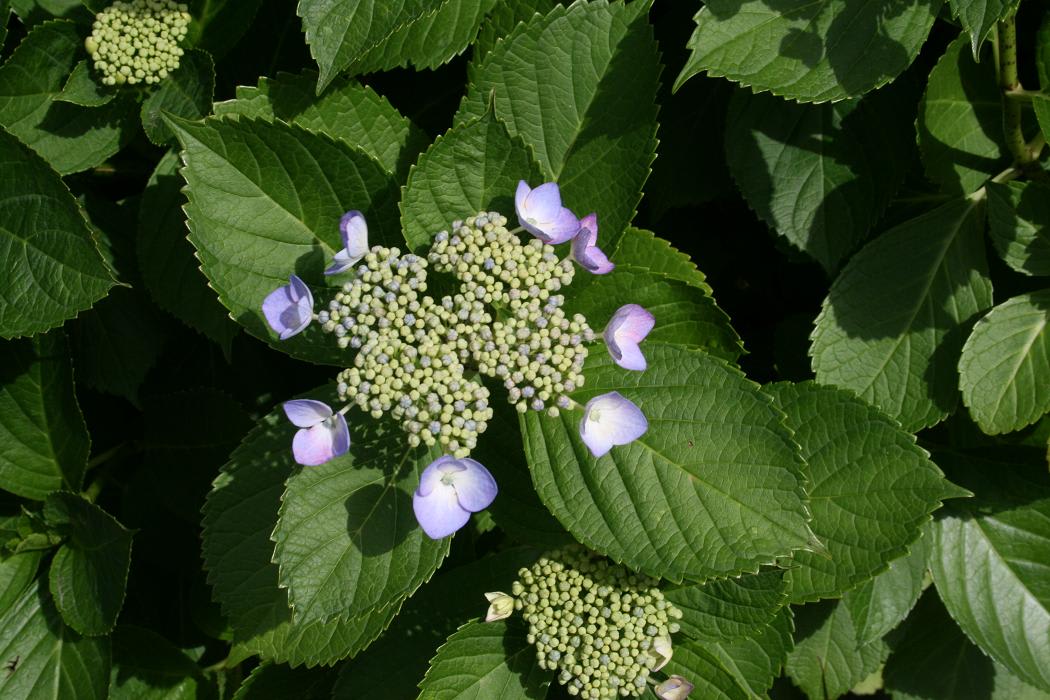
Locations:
{"points": [[449, 491]]}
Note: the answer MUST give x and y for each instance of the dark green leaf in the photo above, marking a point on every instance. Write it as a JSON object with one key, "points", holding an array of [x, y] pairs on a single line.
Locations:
{"points": [[1005, 365], [502, 21], [147, 666], [893, 324], [220, 24], [279, 682], [732, 608], [1019, 224], [347, 541], [978, 17], [169, 268], [265, 201], [1041, 106], [186, 93], [827, 659], [879, 605], [755, 661], [90, 570], [52, 662], [53, 269], [82, 89], [579, 86], [933, 660], [990, 559], [485, 660], [346, 111], [820, 175], [960, 121], [810, 52], [709, 676], [17, 571], [692, 498], [45, 440], [871, 488], [474, 167], [69, 137]]}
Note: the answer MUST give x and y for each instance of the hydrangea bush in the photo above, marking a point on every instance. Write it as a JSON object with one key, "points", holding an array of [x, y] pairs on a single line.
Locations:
{"points": [[361, 349]]}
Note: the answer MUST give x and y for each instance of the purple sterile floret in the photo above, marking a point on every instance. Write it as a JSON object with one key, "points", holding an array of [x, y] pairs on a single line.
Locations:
{"points": [[449, 491], [354, 231], [626, 329], [540, 212], [609, 420], [322, 435], [289, 309], [584, 248]]}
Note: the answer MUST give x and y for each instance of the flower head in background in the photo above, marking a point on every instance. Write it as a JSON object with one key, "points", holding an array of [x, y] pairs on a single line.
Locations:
{"points": [[449, 491], [626, 329], [354, 231], [541, 213], [674, 688], [137, 41], [323, 433], [289, 309], [610, 420], [584, 248]]}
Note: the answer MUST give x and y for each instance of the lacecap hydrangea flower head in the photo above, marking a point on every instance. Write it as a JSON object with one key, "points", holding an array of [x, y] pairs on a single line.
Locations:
{"points": [[137, 41], [420, 359]]}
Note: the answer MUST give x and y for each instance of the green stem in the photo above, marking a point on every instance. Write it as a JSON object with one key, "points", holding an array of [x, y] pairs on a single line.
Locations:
{"points": [[1009, 84]]}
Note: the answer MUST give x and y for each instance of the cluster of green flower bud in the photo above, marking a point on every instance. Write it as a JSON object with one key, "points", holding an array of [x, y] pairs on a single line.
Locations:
{"points": [[536, 350], [138, 41], [602, 627], [408, 364]]}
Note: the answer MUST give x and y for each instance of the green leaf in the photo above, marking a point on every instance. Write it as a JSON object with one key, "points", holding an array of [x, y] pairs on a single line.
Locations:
{"points": [[279, 682], [220, 24], [709, 676], [185, 93], [17, 571], [340, 32], [485, 660], [117, 342], [53, 268], [239, 516], [90, 570], [1005, 365], [502, 20], [978, 17], [169, 268], [871, 488], [960, 121], [1018, 213], [1041, 106], [808, 51], [347, 540], [393, 666], [69, 137], [827, 659], [45, 440], [651, 273], [714, 488], [579, 86], [431, 40], [933, 660], [757, 660], [732, 608], [893, 324], [877, 606], [346, 111], [265, 201], [820, 175], [471, 168], [82, 89], [147, 666], [989, 563], [53, 661]]}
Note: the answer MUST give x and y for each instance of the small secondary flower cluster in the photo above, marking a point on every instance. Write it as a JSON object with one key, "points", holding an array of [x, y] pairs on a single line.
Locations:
{"points": [[138, 41], [418, 359], [602, 627]]}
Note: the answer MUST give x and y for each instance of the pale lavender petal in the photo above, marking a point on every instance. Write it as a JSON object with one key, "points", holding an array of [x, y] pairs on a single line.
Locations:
{"points": [[322, 442], [289, 309], [475, 487], [519, 199], [544, 202], [341, 262], [561, 227], [306, 413], [439, 512], [626, 329], [435, 471], [674, 688], [584, 250], [354, 231], [610, 420]]}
